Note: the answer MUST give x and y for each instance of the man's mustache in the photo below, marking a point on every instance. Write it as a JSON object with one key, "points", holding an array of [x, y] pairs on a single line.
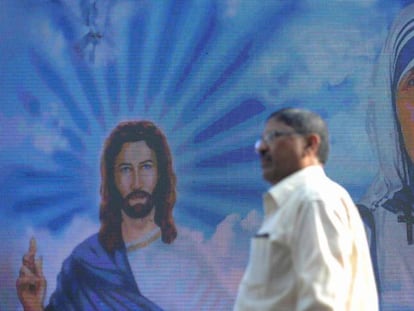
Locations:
{"points": [[138, 194]]}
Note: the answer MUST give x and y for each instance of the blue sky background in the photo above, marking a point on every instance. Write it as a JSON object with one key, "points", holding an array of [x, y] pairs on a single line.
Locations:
{"points": [[207, 72]]}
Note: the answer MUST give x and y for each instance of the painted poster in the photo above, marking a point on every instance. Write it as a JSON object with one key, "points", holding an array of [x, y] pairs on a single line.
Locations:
{"points": [[187, 85]]}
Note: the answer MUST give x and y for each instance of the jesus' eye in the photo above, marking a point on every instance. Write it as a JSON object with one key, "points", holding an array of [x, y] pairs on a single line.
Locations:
{"points": [[147, 166], [125, 169]]}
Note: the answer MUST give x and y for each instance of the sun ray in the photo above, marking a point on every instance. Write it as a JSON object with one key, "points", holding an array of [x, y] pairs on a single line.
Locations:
{"points": [[57, 84]]}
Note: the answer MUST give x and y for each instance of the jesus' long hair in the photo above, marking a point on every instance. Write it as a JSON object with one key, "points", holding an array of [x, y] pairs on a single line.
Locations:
{"points": [[164, 194]]}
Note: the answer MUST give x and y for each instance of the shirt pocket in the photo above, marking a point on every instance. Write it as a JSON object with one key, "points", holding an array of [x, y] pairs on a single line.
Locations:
{"points": [[258, 269]]}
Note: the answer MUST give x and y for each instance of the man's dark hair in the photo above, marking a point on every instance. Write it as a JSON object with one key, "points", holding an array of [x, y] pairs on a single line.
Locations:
{"points": [[164, 194], [305, 122]]}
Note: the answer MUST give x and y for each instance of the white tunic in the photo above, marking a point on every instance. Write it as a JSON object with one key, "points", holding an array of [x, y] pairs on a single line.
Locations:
{"points": [[177, 277]]}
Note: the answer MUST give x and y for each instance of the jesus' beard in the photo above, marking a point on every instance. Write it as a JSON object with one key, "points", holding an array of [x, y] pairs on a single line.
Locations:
{"points": [[139, 210]]}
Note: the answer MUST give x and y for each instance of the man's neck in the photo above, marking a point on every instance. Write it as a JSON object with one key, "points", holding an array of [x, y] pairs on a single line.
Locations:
{"points": [[134, 229]]}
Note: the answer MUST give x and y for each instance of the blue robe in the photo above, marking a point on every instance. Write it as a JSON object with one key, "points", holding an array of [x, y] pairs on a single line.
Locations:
{"points": [[92, 279]]}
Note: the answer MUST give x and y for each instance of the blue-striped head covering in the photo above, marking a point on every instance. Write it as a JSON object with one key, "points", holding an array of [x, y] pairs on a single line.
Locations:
{"points": [[403, 50]]}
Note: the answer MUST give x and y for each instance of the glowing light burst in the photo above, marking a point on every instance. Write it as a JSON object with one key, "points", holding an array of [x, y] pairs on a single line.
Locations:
{"points": [[180, 65]]}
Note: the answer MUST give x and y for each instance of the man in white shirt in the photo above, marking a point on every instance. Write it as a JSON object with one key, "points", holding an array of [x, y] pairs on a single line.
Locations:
{"points": [[311, 251]]}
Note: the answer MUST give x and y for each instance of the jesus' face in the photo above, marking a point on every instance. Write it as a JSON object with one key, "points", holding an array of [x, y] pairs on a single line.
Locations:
{"points": [[136, 175]]}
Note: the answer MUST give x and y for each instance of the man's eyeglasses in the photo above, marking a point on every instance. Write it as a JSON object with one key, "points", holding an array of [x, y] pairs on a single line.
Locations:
{"points": [[269, 138]]}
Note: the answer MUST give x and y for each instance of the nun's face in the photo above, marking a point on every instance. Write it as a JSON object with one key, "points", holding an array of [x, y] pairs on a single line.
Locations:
{"points": [[405, 110]]}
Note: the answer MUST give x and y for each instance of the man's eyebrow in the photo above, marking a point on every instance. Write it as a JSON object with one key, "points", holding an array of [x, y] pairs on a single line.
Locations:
{"points": [[146, 161], [130, 164], [124, 164]]}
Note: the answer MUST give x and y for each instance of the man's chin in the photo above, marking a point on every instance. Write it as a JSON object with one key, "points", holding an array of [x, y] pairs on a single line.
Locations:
{"points": [[270, 176], [138, 211], [267, 174]]}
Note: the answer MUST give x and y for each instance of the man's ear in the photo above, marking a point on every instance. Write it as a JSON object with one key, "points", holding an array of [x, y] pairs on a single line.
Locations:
{"points": [[313, 142]]}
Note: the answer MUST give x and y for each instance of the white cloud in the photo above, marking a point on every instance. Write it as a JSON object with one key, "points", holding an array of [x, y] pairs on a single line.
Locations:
{"points": [[321, 47]]}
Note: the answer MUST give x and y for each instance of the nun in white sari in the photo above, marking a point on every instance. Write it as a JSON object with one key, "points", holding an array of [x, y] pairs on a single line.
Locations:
{"points": [[388, 206]]}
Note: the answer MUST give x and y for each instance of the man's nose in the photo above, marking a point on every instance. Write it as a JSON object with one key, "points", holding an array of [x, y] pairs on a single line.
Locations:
{"points": [[137, 183], [262, 148], [259, 145]]}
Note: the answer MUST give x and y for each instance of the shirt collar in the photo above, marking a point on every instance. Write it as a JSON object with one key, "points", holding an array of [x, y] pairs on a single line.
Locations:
{"points": [[278, 193]]}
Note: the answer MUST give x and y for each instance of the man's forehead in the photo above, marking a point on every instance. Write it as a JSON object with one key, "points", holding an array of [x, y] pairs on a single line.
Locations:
{"points": [[274, 124], [136, 150]]}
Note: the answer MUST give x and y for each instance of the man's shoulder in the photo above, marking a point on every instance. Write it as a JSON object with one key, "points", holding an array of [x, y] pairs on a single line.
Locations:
{"points": [[84, 253], [322, 187], [88, 247]]}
